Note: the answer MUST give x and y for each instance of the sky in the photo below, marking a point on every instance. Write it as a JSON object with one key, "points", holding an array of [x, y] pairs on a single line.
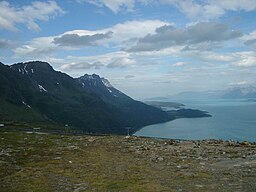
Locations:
{"points": [[146, 48]]}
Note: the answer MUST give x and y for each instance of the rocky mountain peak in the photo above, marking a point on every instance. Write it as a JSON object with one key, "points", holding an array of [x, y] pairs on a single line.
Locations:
{"points": [[95, 80], [31, 67], [106, 82]]}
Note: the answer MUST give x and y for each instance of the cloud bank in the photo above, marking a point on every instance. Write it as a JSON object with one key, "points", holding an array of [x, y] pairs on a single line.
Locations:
{"points": [[74, 40], [167, 36]]}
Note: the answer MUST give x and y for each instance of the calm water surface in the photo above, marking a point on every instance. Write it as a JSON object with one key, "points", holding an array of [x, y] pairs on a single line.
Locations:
{"points": [[231, 119]]}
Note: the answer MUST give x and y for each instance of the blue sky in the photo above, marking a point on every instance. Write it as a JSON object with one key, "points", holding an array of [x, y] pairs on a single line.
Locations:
{"points": [[145, 48]]}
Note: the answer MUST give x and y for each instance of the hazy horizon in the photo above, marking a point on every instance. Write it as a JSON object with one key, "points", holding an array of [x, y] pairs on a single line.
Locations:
{"points": [[145, 48]]}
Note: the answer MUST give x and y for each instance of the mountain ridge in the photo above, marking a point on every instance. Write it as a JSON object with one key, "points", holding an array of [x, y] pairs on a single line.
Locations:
{"points": [[239, 92], [89, 103]]}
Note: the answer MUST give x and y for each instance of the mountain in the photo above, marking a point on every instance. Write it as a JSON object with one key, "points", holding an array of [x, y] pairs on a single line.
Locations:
{"points": [[243, 92], [132, 110], [34, 92], [14, 91], [240, 92], [197, 95]]}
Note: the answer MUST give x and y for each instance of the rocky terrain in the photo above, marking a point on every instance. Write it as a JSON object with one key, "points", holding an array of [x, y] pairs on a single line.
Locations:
{"points": [[53, 162]]}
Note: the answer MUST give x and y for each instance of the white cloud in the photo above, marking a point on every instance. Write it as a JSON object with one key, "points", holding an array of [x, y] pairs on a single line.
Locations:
{"points": [[129, 76], [239, 83], [193, 9], [5, 43], [125, 32], [209, 56], [250, 36], [203, 33], [250, 39], [11, 15], [121, 35], [235, 5], [81, 65], [116, 5], [210, 9], [75, 40], [121, 62], [117, 59], [179, 64], [245, 59], [198, 11], [36, 47]]}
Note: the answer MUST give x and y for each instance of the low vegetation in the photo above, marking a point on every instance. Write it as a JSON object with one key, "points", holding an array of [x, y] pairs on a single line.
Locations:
{"points": [[36, 161]]}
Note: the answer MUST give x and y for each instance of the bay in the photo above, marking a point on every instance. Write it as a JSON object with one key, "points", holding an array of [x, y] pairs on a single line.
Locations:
{"points": [[231, 119]]}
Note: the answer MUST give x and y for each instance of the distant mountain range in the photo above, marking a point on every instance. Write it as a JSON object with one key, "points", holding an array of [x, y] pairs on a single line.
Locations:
{"points": [[34, 92], [240, 92], [243, 92]]}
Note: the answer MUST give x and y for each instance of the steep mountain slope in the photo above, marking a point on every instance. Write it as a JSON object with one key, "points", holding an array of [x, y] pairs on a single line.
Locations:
{"points": [[130, 109], [59, 98], [12, 85], [14, 91]]}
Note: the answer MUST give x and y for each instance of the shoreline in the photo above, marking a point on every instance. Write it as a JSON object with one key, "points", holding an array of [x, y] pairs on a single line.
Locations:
{"points": [[79, 133]]}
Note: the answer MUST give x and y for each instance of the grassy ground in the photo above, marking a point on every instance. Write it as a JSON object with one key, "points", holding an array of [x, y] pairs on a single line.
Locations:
{"points": [[48, 162]]}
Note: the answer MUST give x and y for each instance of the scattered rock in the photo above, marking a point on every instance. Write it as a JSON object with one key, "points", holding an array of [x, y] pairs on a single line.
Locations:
{"points": [[199, 186], [151, 142], [245, 143], [185, 167], [91, 140], [197, 145], [73, 147], [79, 189], [171, 142]]}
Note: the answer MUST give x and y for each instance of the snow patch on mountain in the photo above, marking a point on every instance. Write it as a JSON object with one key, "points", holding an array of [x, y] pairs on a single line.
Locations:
{"points": [[106, 82], [24, 103], [25, 68], [42, 88]]}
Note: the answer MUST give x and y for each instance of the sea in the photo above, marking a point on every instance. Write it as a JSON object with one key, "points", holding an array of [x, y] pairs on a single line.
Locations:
{"points": [[231, 120]]}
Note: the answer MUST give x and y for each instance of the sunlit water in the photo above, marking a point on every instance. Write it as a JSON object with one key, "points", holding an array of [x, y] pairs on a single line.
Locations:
{"points": [[231, 119]]}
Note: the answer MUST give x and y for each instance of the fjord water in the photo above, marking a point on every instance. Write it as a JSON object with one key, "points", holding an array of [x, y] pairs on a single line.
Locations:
{"points": [[231, 119]]}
